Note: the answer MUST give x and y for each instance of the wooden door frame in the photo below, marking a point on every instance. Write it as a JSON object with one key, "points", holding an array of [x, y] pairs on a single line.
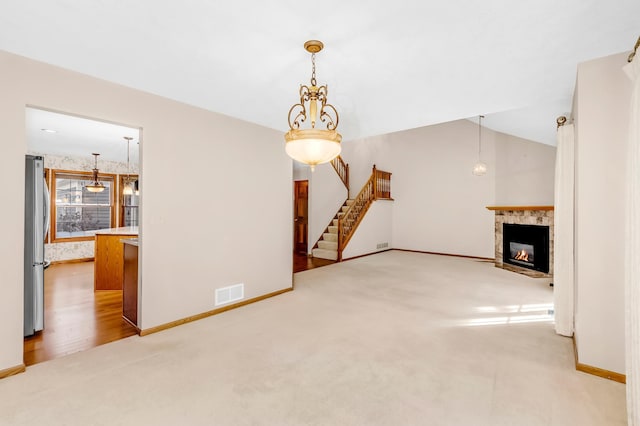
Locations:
{"points": [[296, 228]]}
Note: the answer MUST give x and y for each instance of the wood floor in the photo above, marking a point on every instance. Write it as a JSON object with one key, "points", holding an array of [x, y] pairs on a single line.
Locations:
{"points": [[75, 317], [302, 262]]}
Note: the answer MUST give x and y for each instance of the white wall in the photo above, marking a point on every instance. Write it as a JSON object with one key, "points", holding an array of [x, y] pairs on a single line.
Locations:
{"points": [[525, 172], [363, 154], [601, 123], [300, 172], [194, 239], [439, 205], [374, 229]]}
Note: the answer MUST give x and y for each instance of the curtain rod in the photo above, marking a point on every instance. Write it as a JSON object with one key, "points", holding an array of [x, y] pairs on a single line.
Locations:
{"points": [[561, 121], [635, 49]]}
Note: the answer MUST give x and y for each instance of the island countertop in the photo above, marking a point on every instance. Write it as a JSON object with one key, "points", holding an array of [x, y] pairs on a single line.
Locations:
{"points": [[130, 241], [125, 230]]}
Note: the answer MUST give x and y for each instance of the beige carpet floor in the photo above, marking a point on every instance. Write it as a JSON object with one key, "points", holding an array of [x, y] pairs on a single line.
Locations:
{"points": [[396, 338]]}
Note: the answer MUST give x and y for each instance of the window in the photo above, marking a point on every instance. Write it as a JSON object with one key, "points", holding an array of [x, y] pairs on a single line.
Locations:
{"points": [[76, 211], [130, 202]]}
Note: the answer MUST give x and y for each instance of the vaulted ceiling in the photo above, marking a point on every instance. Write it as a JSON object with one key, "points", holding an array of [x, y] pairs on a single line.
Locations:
{"points": [[389, 65]]}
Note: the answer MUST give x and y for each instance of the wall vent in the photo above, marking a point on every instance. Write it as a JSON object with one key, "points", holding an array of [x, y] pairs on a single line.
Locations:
{"points": [[382, 245], [229, 294]]}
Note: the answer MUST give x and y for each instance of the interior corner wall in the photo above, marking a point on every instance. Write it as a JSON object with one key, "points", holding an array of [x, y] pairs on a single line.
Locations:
{"points": [[525, 172], [193, 239], [601, 122], [440, 206]]}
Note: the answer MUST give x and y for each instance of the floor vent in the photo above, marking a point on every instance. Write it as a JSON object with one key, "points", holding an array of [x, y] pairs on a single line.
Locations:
{"points": [[382, 245], [229, 294]]}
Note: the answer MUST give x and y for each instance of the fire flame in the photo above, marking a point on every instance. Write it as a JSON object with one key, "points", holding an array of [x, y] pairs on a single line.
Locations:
{"points": [[522, 255]]}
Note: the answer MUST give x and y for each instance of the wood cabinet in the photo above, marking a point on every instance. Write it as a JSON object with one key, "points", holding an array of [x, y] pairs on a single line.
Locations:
{"points": [[109, 255], [130, 283]]}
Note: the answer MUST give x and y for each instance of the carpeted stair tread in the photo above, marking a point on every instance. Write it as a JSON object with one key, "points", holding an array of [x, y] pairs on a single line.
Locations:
{"points": [[325, 254], [328, 245]]}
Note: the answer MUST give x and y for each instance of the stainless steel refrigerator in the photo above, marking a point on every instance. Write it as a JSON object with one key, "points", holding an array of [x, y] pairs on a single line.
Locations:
{"points": [[36, 224]]}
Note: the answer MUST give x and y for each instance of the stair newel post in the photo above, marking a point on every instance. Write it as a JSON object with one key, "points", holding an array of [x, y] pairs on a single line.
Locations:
{"points": [[340, 233], [347, 181]]}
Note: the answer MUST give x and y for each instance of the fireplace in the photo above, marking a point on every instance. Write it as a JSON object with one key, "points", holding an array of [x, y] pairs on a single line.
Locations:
{"points": [[526, 246], [536, 216]]}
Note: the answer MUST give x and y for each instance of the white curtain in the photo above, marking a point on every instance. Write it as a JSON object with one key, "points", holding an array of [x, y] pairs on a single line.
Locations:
{"points": [[563, 232], [632, 267]]}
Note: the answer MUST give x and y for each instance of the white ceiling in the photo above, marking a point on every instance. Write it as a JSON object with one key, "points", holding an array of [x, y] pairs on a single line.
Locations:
{"points": [[61, 134], [389, 65]]}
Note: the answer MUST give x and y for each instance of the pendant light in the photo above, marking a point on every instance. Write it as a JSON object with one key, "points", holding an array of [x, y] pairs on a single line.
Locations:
{"points": [[480, 168], [313, 146], [95, 186], [128, 187]]}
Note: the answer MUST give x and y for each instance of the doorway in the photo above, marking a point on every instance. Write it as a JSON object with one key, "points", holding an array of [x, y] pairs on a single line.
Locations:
{"points": [[302, 261], [300, 216], [76, 316]]}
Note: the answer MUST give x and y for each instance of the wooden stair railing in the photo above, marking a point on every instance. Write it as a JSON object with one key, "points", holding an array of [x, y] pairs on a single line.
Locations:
{"points": [[377, 187], [342, 169]]}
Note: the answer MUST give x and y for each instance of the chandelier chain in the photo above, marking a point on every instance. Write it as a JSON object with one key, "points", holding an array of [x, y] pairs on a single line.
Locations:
{"points": [[313, 69]]}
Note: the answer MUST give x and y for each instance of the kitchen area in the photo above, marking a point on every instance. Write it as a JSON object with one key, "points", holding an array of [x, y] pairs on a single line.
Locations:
{"points": [[81, 234]]}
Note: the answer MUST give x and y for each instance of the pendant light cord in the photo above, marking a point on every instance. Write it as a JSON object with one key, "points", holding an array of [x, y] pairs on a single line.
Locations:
{"points": [[480, 117], [128, 139]]}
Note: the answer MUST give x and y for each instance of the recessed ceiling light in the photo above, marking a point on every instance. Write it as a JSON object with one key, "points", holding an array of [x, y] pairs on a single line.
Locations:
{"points": [[49, 130]]}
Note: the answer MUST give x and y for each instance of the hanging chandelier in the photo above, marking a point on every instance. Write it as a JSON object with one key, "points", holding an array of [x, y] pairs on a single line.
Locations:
{"points": [[480, 168], [95, 185], [128, 185], [313, 145]]}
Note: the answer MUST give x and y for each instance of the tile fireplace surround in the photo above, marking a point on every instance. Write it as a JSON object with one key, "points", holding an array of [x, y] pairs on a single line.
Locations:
{"points": [[523, 215]]}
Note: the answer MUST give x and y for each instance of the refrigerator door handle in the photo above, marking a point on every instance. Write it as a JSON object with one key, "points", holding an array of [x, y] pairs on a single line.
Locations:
{"points": [[47, 209]]}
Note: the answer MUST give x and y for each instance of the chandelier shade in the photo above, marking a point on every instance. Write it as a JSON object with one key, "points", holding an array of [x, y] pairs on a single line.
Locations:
{"points": [[311, 145], [95, 185], [128, 190], [479, 169]]}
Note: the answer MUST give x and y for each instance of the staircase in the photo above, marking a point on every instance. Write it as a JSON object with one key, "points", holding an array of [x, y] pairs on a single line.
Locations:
{"points": [[328, 243], [346, 221]]}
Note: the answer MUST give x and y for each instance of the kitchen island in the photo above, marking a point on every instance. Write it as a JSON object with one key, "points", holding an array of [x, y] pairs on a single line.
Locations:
{"points": [[109, 256], [130, 282]]}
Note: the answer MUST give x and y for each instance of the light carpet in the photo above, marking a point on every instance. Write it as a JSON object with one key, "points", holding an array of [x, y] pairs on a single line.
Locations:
{"points": [[395, 338]]}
